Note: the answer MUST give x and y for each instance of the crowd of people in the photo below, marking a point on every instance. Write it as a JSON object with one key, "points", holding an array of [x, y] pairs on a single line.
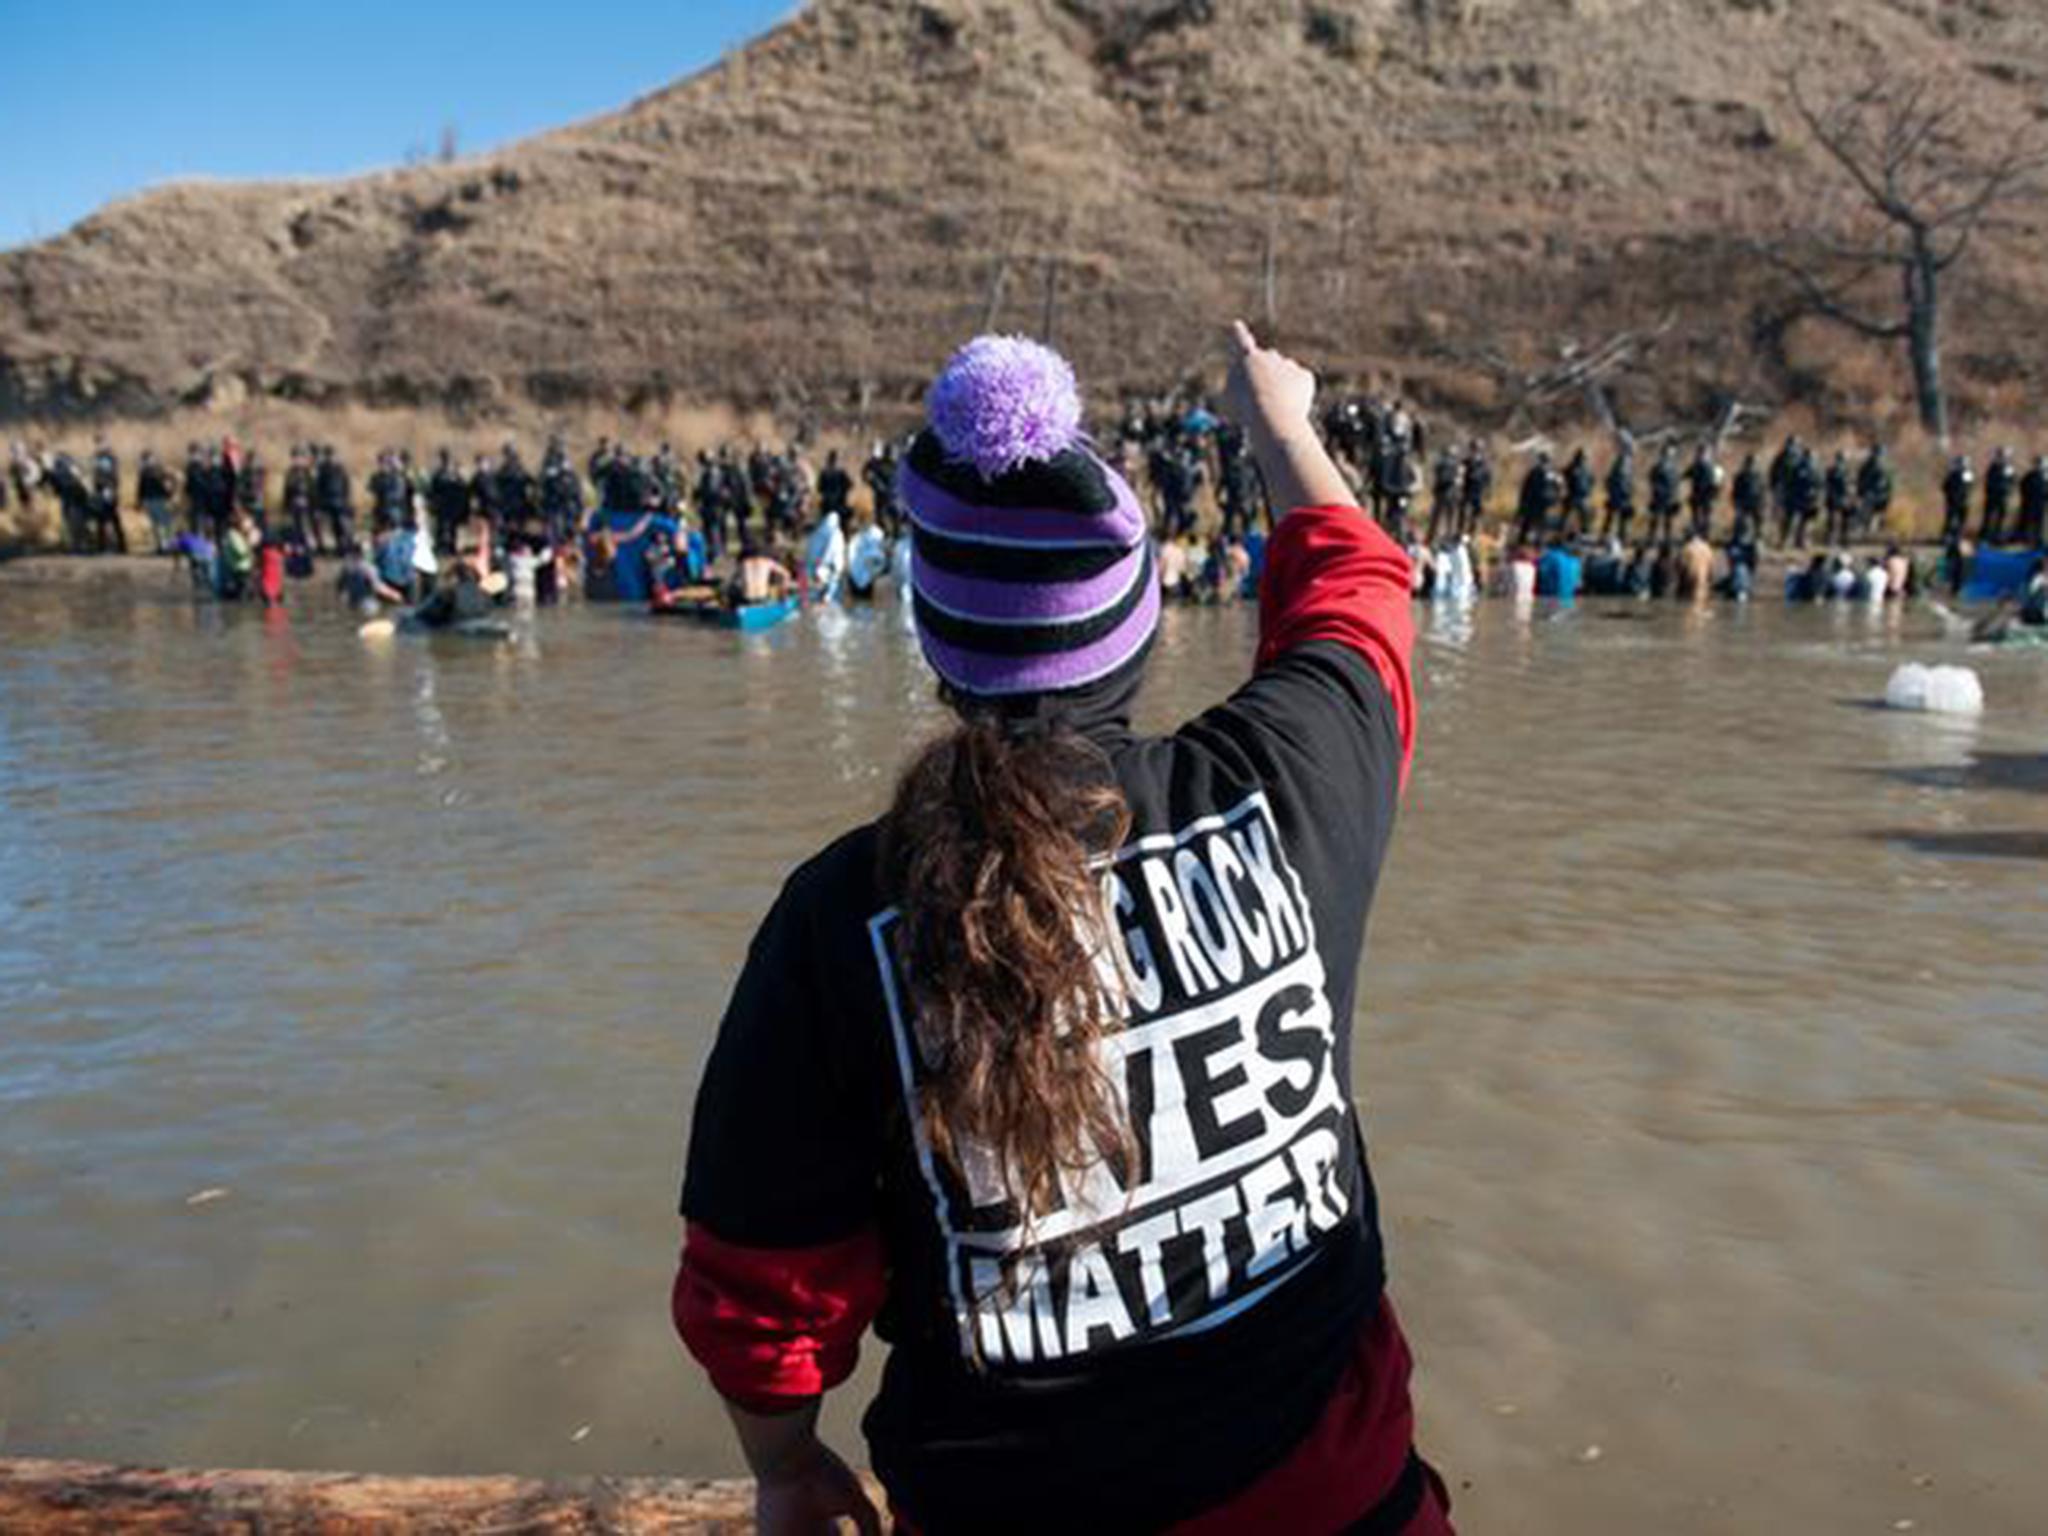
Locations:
{"points": [[759, 521], [242, 535]]}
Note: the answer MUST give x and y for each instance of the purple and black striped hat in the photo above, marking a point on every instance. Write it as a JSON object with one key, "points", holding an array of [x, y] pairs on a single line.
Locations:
{"points": [[1030, 563]]}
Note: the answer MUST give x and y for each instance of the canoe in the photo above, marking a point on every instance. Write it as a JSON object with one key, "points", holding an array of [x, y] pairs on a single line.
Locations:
{"points": [[467, 629], [758, 616], [751, 617]]}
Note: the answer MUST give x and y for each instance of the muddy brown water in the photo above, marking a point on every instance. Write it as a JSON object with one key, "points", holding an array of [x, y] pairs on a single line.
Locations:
{"points": [[352, 997]]}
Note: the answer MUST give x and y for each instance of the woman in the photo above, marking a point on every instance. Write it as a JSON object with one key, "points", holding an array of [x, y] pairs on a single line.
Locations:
{"points": [[1047, 1072], [237, 557]]}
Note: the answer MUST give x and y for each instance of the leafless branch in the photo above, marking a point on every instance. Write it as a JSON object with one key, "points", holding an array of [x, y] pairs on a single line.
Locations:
{"points": [[1912, 151], [1831, 300]]}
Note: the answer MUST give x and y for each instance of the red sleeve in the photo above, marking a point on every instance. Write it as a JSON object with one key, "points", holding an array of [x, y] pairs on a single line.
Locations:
{"points": [[1333, 574], [775, 1327]]}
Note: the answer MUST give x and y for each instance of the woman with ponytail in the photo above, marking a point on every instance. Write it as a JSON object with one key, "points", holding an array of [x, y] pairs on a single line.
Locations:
{"points": [[1046, 1075]]}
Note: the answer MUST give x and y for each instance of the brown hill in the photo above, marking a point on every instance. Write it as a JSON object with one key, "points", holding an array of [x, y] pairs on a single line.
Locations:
{"points": [[1442, 193]]}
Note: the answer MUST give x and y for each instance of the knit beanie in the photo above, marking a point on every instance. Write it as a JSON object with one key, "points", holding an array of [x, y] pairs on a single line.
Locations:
{"points": [[1031, 569]]}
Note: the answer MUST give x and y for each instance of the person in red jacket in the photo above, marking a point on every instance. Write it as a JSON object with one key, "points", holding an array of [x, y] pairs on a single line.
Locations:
{"points": [[1046, 1074], [270, 560]]}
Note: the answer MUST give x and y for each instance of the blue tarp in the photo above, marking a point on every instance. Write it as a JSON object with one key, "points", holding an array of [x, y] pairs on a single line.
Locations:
{"points": [[629, 582], [1997, 573]]}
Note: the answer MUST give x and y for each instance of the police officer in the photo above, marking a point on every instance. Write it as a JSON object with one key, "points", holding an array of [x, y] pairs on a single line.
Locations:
{"points": [[1664, 475], [447, 501], [1781, 484], [1173, 481], [1399, 484], [880, 475], [1542, 490], [1873, 490], [106, 501], [1749, 496], [629, 485], [1835, 496], [1802, 490], [1957, 487], [194, 485], [707, 498], [1236, 480], [514, 501], [2033, 525], [1703, 489], [785, 495], [252, 487], [1621, 491], [220, 491], [1578, 495], [835, 488], [2001, 478], [297, 503], [668, 481], [736, 492], [75, 497], [332, 498], [1444, 478], [561, 495], [154, 490], [387, 490], [1476, 488]]}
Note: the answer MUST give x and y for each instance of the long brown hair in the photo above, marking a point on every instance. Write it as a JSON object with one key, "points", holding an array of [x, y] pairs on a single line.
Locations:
{"points": [[989, 853]]}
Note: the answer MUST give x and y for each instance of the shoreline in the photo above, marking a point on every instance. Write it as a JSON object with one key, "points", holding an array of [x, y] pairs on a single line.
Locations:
{"points": [[73, 1498], [53, 568]]}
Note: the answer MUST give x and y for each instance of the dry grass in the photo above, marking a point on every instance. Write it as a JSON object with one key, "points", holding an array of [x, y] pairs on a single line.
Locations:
{"points": [[802, 233]]}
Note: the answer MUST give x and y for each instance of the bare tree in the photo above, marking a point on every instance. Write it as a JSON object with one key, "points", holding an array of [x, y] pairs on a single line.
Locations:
{"points": [[1269, 259], [1347, 217], [999, 277], [451, 144], [1923, 182], [1581, 369]]}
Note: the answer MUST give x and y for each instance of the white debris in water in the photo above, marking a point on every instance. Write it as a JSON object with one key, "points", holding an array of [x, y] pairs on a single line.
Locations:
{"points": [[1936, 690], [206, 1196], [1588, 1456], [582, 1434]]}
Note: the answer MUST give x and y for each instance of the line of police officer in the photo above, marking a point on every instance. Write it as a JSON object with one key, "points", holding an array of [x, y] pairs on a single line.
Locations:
{"points": [[1382, 442], [317, 505]]}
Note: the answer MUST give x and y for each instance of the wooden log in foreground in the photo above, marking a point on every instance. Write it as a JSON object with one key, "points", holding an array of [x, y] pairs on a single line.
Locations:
{"points": [[73, 1498]]}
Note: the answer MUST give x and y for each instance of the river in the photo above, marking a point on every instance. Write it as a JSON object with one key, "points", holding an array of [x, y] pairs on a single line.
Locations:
{"points": [[352, 997]]}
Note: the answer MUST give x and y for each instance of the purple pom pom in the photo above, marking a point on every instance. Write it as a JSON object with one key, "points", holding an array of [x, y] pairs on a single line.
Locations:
{"points": [[1004, 401]]}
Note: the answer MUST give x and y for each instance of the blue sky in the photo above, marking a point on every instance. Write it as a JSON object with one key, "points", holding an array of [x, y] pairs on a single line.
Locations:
{"points": [[99, 98]]}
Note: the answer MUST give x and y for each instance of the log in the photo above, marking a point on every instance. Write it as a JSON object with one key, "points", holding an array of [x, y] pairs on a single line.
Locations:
{"points": [[74, 1498]]}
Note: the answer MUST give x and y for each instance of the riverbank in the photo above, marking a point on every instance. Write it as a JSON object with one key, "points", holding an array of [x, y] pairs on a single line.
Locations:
{"points": [[46, 570], [75, 1498], [54, 569]]}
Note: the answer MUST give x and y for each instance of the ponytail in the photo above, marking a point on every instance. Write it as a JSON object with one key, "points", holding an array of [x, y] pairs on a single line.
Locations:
{"points": [[1004, 944]]}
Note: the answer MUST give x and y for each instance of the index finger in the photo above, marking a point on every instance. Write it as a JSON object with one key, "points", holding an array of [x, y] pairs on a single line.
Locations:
{"points": [[1241, 335]]}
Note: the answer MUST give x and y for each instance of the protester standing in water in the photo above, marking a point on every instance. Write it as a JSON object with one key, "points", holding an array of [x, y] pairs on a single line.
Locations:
{"points": [[1049, 1068]]}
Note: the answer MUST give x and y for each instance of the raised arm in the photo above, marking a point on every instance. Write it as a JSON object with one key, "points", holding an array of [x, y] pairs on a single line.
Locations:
{"points": [[1332, 575], [1273, 398]]}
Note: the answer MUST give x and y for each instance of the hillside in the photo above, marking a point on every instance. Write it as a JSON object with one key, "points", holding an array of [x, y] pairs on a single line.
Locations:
{"points": [[1447, 191]]}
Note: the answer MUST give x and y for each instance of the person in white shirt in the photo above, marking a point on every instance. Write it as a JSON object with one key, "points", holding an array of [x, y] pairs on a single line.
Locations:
{"points": [[825, 559], [867, 559]]}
